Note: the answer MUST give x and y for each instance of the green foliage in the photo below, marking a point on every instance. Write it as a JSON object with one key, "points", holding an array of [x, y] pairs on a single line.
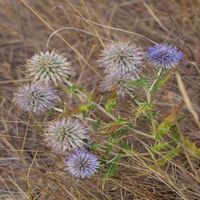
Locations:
{"points": [[145, 110], [112, 167], [97, 124], [118, 122], [168, 123], [95, 147], [163, 129], [191, 147], [73, 89], [141, 82], [88, 106], [127, 149], [161, 81], [110, 104], [159, 146], [115, 139], [119, 133], [169, 156]]}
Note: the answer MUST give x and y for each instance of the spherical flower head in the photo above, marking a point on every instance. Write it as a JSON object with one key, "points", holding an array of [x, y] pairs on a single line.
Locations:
{"points": [[49, 66], [66, 135], [35, 97], [122, 58], [117, 83], [82, 164], [164, 56]]}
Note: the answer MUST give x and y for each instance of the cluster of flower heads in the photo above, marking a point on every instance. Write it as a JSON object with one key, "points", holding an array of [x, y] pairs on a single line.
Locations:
{"points": [[45, 69], [122, 61], [69, 135], [66, 136]]}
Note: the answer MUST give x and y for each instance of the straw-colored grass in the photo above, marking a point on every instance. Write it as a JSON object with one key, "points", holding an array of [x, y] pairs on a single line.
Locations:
{"points": [[80, 29]]}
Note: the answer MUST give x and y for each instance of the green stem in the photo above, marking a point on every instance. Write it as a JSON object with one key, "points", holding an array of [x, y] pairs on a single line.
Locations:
{"points": [[84, 96], [149, 98], [156, 80]]}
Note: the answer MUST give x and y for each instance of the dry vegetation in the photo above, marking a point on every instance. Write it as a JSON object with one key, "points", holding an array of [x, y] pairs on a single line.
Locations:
{"points": [[29, 170]]}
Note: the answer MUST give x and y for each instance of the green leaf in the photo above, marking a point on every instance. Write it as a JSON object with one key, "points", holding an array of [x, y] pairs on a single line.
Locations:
{"points": [[117, 122], [95, 147], [115, 139], [97, 124], [142, 82], [110, 104], [191, 147], [168, 124], [112, 167], [72, 89], [168, 157], [88, 106], [161, 82], [145, 110], [159, 146]]}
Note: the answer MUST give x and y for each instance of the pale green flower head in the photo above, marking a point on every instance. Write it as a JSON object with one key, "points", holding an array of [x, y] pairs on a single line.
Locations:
{"points": [[49, 67]]}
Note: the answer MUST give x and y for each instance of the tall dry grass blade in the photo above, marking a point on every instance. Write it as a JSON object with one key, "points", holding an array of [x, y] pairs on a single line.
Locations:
{"points": [[187, 99]]}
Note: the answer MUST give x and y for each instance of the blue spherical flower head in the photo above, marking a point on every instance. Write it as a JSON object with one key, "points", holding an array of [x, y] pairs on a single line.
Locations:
{"points": [[82, 164], [164, 56]]}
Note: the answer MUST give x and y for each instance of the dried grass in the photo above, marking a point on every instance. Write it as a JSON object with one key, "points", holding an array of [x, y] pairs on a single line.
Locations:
{"points": [[80, 28]]}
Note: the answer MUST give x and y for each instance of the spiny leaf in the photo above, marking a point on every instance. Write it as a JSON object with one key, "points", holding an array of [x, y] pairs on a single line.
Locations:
{"points": [[72, 89], [88, 106], [159, 146], [95, 147], [110, 104], [161, 82], [191, 147], [97, 124], [115, 139], [142, 82], [168, 123], [127, 148], [112, 167], [119, 121], [167, 157], [145, 110]]}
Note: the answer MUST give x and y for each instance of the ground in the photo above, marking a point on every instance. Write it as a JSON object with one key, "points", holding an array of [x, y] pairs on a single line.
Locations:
{"points": [[80, 29]]}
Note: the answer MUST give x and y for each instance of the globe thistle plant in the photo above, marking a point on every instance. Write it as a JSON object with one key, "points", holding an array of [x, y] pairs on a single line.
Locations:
{"points": [[122, 58], [49, 66], [116, 82], [66, 135], [82, 164], [164, 56], [35, 97]]}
